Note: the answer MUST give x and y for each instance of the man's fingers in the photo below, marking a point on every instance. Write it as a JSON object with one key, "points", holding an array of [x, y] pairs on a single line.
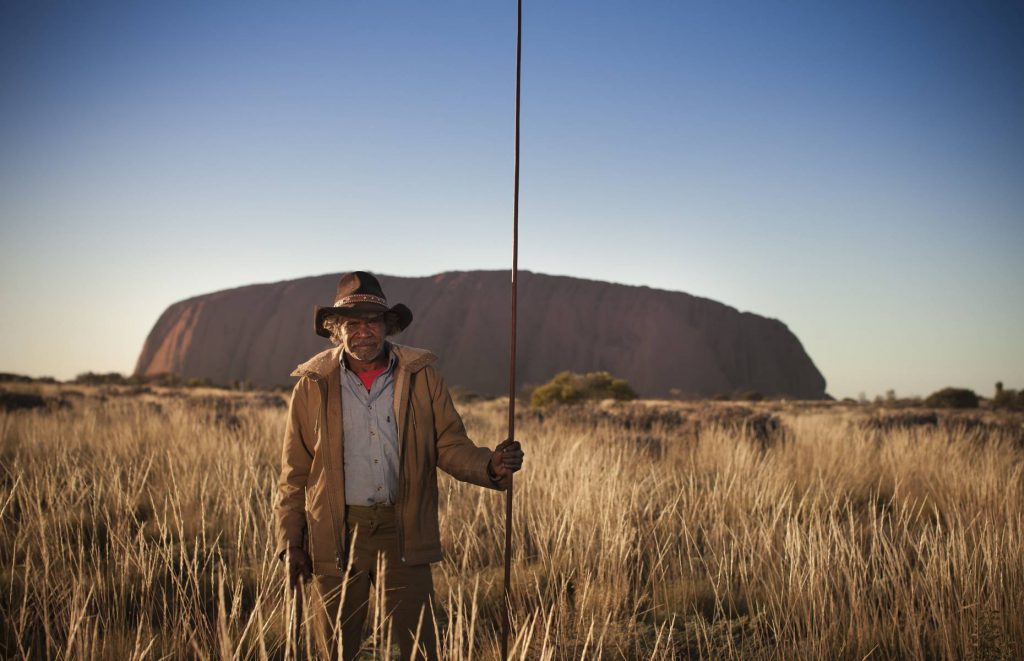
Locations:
{"points": [[515, 453], [299, 566], [513, 461], [508, 457], [511, 455]]}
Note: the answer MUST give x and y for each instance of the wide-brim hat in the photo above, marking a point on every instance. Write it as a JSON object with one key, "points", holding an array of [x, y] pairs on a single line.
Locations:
{"points": [[359, 294]]}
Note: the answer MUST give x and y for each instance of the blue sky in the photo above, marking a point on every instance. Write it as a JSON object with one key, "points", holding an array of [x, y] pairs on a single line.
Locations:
{"points": [[855, 170]]}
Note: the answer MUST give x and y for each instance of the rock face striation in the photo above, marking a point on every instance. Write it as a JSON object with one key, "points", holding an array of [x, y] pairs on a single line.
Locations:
{"points": [[657, 340]]}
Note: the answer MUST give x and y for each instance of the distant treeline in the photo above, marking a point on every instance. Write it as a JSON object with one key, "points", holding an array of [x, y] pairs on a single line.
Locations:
{"points": [[568, 388], [7, 377], [167, 380], [951, 398]]}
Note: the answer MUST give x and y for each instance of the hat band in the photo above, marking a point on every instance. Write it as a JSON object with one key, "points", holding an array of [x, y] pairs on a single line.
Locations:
{"points": [[360, 298]]}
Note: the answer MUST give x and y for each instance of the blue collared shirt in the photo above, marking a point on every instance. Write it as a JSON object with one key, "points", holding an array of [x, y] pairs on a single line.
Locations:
{"points": [[371, 437]]}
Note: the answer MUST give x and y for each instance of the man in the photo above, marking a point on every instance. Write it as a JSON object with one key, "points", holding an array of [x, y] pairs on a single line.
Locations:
{"points": [[369, 423]]}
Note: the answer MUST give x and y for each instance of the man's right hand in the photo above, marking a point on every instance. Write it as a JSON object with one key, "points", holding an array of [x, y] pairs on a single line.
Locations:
{"points": [[299, 565]]}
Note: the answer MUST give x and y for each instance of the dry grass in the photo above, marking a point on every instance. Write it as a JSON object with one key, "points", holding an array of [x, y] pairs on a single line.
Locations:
{"points": [[140, 526]]}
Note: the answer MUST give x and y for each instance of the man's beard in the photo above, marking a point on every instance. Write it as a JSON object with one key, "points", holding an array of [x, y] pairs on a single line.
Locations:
{"points": [[366, 352]]}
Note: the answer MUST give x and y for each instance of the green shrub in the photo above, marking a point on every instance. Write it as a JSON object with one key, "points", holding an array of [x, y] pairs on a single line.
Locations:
{"points": [[568, 388], [952, 398]]}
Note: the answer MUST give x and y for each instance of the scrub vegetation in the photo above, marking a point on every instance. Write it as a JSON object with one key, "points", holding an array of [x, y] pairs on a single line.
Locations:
{"points": [[572, 388], [138, 525]]}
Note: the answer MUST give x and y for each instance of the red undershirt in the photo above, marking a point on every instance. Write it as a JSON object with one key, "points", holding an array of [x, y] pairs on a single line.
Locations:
{"points": [[368, 377]]}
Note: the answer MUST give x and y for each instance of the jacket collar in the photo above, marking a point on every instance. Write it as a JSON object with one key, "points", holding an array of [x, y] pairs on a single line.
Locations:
{"points": [[321, 365]]}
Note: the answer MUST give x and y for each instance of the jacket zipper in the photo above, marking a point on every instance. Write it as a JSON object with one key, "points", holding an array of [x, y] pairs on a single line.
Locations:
{"points": [[324, 443]]}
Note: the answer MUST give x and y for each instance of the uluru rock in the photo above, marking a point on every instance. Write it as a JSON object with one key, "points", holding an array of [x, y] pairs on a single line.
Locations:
{"points": [[655, 339]]}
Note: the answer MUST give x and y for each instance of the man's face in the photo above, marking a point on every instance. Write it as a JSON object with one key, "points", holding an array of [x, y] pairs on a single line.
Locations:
{"points": [[363, 337]]}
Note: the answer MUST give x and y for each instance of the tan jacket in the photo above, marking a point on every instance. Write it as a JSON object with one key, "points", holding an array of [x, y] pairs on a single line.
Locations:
{"points": [[311, 494]]}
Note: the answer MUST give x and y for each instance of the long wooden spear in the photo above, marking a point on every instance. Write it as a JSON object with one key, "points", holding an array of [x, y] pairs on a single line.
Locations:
{"points": [[506, 620]]}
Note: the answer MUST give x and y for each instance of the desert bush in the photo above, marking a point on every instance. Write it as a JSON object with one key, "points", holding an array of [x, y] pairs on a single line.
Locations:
{"points": [[15, 401], [765, 429], [739, 396], [1008, 398], [97, 379], [164, 379], [570, 388], [8, 377], [893, 421], [28, 400], [952, 398]]}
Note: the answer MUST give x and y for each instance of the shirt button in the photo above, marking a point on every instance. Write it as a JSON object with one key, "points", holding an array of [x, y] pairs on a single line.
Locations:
{"points": [[379, 488], [376, 461]]}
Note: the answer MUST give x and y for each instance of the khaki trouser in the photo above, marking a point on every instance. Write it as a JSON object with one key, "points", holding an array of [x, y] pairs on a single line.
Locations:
{"points": [[408, 590]]}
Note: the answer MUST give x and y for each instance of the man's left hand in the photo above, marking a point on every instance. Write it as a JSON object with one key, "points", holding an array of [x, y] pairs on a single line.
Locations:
{"points": [[506, 459]]}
